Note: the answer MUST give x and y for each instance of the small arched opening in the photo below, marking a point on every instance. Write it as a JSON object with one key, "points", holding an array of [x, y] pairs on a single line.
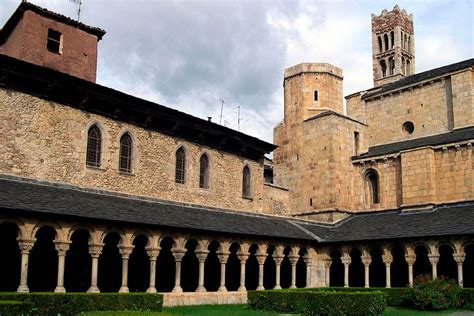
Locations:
{"points": [[165, 266], [43, 262], [139, 266], [383, 68], [269, 268], [190, 267], [447, 267], [212, 268], [110, 264], [356, 269], [422, 264], [301, 269], [78, 265], [398, 268], [468, 271], [285, 269], [386, 41], [372, 186], [232, 271], [251, 269], [336, 272], [11, 258], [376, 268]]}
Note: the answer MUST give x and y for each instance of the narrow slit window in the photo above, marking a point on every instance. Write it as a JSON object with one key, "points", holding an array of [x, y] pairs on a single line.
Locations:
{"points": [[246, 182], [315, 95], [204, 172], [54, 41], [94, 146], [180, 166], [356, 143], [126, 145]]}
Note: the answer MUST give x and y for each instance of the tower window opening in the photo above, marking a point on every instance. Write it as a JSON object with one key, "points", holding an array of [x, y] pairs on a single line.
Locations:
{"points": [[391, 63], [392, 39], [380, 44], [404, 70], [405, 42], [315, 95], [310, 202], [53, 43], [408, 128], [385, 38], [372, 180], [383, 67], [356, 143], [408, 70], [408, 48]]}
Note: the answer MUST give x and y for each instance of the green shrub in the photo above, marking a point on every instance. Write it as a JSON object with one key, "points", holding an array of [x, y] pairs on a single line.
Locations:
{"points": [[428, 294], [14, 307], [74, 303], [318, 302], [468, 296]]}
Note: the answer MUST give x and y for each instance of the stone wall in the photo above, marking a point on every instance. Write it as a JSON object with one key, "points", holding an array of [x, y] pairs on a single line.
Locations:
{"points": [[46, 140]]}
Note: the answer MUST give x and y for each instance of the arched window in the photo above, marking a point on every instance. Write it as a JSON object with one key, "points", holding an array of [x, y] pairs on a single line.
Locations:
{"points": [[126, 146], [408, 70], [380, 44], [383, 68], [204, 172], [372, 180], [94, 146], [246, 182], [391, 63], [405, 42], [385, 38], [392, 39], [404, 70], [180, 165]]}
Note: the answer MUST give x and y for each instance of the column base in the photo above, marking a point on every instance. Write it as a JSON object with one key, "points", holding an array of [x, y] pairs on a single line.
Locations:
{"points": [[366, 286], [388, 287], [201, 289], [242, 289], [293, 287], [93, 289], [277, 287], [23, 289], [222, 289], [260, 288], [346, 285], [59, 289], [177, 289], [124, 289], [151, 289]]}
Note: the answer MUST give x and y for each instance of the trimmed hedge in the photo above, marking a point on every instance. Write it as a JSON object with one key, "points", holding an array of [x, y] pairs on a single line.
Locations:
{"points": [[74, 303], [318, 302], [468, 296]]}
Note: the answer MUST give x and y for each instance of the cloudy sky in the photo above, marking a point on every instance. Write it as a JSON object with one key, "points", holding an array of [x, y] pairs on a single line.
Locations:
{"points": [[189, 54]]}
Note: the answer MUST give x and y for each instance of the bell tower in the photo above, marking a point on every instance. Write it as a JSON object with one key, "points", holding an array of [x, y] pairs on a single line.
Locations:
{"points": [[393, 46]]}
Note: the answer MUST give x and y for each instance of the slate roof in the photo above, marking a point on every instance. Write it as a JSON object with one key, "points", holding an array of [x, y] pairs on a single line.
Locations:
{"points": [[457, 135], [448, 220], [52, 199], [331, 112], [422, 76], [26, 6]]}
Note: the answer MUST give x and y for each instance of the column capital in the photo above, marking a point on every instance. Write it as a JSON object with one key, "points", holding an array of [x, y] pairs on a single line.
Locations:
{"points": [[387, 259], [26, 244], [152, 252], [293, 259], [459, 257], [223, 256], [410, 259], [178, 253], [327, 263], [366, 260], [201, 255], [95, 250], [243, 256], [308, 260], [125, 250], [261, 257], [62, 246], [433, 259], [346, 260], [278, 258]]}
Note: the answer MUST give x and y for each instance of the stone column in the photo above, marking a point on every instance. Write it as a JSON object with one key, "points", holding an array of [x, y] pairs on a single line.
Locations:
{"points": [[387, 259], [434, 265], [223, 256], [261, 261], [153, 256], [293, 262], [243, 256], [25, 246], [201, 255], [62, 246], [95, 250], [178, 254], [346, 260], [278, 258], [366, 260], [327, 268], [410, 259], [308, 262], [459, 258], [125, 251]]}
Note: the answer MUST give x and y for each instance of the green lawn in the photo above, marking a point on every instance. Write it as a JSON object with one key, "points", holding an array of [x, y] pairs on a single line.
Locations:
{"points": [[244, 310]]}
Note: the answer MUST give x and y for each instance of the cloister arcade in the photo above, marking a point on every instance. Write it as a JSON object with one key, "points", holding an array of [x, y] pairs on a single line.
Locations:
{"points": [[60, 257]]}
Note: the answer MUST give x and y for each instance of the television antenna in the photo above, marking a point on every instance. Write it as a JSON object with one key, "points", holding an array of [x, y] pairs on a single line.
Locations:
{"points": [[79, 4], [222, 108]]}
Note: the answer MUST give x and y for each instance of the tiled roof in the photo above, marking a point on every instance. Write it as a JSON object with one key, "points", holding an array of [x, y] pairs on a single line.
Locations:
{"points": [[52, 199], [458, 135], [422, 76]]}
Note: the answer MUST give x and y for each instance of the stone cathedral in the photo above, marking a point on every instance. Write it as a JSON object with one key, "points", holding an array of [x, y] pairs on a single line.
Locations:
{"points": [[101, 191]]}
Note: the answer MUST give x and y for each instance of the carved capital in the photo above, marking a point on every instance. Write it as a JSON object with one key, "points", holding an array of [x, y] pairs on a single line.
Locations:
{"points": [[366, 260], [95, 250], [308, 260], [327, 263], [243, 256], [26, 245], [433, 259], [178, 253], [410, 259], [459, 258], [261, 257], [62, 246], [387, 259], [223, 256], [346, 260], [201, 255], [125, 251], [293, 259], [153, 252], [278, 259]]}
